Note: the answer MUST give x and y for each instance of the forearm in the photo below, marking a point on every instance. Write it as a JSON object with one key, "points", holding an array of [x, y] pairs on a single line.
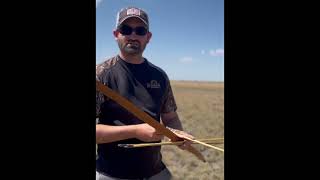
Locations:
{"points": [[143, 132], [107, 133], [172, 120]]}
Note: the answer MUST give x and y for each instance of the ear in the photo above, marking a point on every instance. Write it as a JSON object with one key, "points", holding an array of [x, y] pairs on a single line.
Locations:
{"points": [[115, 34], [149, 35]]}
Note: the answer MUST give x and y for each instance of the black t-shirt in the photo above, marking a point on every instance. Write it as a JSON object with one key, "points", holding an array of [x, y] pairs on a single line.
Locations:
{"points": [[146, 86]]}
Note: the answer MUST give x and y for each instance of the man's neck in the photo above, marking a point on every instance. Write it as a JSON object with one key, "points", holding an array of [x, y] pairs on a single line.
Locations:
{"points": [[133, 59]]}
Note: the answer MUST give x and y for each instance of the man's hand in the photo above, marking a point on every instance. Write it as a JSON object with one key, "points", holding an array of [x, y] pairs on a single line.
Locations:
{"points": [[184, 136], [147, 133]]}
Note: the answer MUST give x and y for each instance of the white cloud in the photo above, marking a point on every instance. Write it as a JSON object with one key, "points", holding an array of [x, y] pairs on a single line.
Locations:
{"points": [[203, 52], [186, 60], [98, 2], [217, 52]]}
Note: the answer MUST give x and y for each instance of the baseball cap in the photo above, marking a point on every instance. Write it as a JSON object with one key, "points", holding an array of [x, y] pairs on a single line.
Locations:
{"points": [[129, 12]]}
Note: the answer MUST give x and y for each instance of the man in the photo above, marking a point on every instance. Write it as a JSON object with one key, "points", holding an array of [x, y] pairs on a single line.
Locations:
{"points": [[145, 85]]}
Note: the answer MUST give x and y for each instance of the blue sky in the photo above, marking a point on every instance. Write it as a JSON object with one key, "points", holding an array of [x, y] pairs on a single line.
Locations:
{"points": [[187, 40]]}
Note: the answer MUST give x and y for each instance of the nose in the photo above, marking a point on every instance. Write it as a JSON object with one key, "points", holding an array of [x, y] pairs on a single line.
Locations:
{"points": [[133, 34]]}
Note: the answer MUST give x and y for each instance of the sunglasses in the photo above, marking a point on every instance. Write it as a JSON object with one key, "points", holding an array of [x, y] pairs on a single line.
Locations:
{"points": [[127, 30]]}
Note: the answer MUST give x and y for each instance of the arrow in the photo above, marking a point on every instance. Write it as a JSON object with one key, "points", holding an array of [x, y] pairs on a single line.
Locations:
{"points": [[208, 141]]}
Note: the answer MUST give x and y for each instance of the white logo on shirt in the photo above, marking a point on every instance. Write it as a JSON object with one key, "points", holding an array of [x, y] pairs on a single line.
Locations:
{"points": [[153, 84]]}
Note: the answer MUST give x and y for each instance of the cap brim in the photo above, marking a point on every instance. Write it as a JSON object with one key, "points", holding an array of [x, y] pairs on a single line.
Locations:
{"points": [[132, 17]]}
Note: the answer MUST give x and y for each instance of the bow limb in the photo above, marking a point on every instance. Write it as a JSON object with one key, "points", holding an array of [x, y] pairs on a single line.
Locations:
{"points": [[143, 116]]}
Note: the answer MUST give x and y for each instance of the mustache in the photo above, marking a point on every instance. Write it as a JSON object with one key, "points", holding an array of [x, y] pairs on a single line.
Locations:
{"points": [[133, 41]]}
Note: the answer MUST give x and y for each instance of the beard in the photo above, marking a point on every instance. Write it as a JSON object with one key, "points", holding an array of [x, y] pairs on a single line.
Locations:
{"points": [[131, 47]]}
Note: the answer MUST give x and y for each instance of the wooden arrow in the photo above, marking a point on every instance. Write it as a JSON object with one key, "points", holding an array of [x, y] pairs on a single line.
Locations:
{"points": [[143, 116], [208, 141]]}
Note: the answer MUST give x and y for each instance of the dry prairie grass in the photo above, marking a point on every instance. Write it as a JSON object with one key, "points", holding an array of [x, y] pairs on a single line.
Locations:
{"points": [[201, 110]]}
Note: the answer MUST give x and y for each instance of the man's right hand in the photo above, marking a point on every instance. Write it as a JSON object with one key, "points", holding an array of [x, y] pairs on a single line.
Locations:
{"points": [[147, 133]]}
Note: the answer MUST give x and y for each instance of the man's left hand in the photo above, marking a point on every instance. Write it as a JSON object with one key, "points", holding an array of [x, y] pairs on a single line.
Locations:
{"points": [[184, 136]]}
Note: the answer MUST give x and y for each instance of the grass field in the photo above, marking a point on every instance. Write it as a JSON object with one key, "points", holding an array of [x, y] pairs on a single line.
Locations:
{"points": [[201, 110]]}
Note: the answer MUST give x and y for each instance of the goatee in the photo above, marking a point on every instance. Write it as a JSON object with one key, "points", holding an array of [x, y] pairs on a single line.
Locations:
{"points": [[132, 47]]}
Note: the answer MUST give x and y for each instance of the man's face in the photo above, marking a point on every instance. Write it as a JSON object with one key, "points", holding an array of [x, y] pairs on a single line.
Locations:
{"points": [[133, 43]]}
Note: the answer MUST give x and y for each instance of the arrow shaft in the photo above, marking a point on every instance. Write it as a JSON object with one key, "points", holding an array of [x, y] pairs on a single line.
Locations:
{"points": [[163, 143]]}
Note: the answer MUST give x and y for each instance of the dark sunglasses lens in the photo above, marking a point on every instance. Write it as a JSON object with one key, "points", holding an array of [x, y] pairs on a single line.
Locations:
{"points": [[125, 30], [141, 31]]}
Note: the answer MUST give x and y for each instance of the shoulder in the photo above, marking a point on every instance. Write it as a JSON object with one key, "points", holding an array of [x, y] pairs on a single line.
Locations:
{"points": [[103, 68], [158, 70]]}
